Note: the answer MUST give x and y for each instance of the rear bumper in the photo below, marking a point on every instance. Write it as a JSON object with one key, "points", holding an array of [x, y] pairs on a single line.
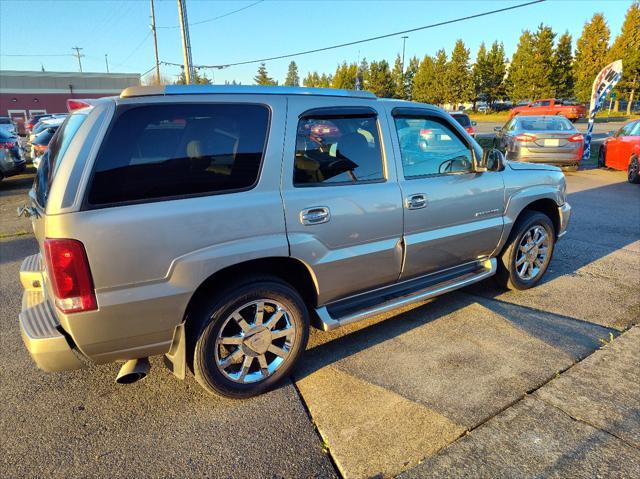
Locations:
{"points": [[564, 213], [40, 330]]}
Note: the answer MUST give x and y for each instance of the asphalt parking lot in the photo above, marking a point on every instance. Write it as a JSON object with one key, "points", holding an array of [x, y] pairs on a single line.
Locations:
{"points": [[478, 383]]}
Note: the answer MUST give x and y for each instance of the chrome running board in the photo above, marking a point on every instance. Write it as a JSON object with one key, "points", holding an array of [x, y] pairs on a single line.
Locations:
{"points": [[484, 270]]}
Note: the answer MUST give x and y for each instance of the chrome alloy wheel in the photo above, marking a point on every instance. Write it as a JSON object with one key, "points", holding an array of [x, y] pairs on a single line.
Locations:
{"points": [[254, 341], [532, 253]]}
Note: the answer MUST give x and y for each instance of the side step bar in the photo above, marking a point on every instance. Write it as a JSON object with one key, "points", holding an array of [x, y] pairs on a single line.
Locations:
{"points": [[484, 270]]}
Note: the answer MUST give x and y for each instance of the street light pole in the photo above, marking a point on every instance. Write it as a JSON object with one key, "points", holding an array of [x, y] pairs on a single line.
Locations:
{"points": [[155, 42], [186, 43]]}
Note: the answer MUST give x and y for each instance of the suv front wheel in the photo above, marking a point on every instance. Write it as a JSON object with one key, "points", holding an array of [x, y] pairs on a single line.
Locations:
{"points": [[249, 338], [527, 254]]}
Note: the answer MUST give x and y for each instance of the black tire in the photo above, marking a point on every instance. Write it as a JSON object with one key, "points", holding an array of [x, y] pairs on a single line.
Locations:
{"points": [[209, 318], [601, 158], [633, 175], [507, 275]]}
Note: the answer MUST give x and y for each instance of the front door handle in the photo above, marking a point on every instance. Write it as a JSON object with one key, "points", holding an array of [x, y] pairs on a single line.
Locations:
{"points": [[415, 202], [315, 216]]}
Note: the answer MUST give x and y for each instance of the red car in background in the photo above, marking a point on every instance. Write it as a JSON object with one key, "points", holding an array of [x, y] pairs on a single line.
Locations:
{"points": [[570, 110], [621, 151]]}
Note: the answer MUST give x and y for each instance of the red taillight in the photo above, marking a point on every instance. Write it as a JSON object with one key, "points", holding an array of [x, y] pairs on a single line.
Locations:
{"points": [[524, 138], [425, 131], [576, 138], [70, 275], [73, 104], [7, 145]]}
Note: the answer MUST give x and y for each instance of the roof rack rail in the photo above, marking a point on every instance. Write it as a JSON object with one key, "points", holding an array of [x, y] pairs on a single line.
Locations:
{"points": [[136, 91]]}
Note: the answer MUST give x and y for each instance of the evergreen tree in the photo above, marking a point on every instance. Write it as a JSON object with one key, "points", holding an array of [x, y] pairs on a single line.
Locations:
{"points": [[325, 81], [345, 76], [562, 78], [459, 85], [397, 74], [311, 80], [519, 86], [196, 80], [591, 55], [409, 74], [423, 82], [292, 75], [380, 79], [440, 86], [262, 77], [363, 74], [494, 88], [480, 73], [541, 72], [626, 47]]}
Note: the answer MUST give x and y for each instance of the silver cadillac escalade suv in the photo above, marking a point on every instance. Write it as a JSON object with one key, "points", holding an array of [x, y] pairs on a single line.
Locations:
{"points": [[214, 225]]}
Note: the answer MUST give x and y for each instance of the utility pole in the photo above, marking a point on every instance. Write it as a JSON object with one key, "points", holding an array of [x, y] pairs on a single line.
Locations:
{"points": [[186, 43], [155, 42], [106, 62], [78, 56]]}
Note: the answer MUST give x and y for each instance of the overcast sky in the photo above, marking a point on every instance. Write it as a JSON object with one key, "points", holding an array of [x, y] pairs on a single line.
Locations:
{"points": [[120, 28]]}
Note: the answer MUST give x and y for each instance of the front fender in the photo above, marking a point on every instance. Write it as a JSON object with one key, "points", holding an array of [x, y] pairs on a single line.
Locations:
{"points": [[524, 187]]}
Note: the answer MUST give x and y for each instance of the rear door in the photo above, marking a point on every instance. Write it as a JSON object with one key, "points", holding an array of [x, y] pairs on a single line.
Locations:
{"points": [[343, 206], [452, 215]]}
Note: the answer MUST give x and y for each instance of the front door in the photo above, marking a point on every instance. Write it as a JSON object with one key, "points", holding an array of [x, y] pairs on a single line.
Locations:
{"points": [[343, 207], [451, 214]]}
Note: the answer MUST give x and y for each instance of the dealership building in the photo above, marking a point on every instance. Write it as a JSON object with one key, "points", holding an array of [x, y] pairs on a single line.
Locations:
{"points": [[27, 93]]}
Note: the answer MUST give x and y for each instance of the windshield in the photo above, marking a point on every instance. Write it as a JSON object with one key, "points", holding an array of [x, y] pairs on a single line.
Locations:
{"points": [[57, 148], [556, 123]]}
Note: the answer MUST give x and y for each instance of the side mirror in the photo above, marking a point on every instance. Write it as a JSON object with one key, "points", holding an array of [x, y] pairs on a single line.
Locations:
{"points": [[492, 159], [474, 123], [497, 128]]}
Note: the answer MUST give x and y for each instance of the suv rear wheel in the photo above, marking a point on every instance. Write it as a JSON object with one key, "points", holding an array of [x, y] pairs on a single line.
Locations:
{"points": [[249, 337], [527, 254]]}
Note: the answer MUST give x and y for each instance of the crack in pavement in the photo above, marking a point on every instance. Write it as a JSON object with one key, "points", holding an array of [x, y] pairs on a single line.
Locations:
{"points": [[583, 421]]}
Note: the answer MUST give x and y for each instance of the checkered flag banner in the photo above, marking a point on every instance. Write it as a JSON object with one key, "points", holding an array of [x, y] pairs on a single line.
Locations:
{"points": [[603, 84]]}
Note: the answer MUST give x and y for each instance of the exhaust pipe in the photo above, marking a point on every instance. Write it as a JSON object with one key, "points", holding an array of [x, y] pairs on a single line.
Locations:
{"points": [[133, 370]]}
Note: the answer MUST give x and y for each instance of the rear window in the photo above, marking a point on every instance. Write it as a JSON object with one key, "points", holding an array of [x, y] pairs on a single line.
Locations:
{"points": [[163, 151], [57, 147], [556, 123], [4, 120], [464, 120]]}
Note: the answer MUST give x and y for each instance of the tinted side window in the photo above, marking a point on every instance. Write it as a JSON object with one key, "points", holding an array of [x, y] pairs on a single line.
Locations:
{"points": [[163, 151], [430, 146], [337, 150]]}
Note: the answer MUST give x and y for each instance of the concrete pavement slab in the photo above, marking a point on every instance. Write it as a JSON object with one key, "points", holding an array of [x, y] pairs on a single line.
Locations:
{"points": [[82, 424], [530, 440], [464, 360], [604, 389], [369, 430]]}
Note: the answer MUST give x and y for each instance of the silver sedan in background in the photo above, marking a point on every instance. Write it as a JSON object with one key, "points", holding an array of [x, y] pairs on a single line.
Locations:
{"points": [[541, 139]]}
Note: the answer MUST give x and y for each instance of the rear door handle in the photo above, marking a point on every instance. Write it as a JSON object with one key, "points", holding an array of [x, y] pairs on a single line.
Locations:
{"points": [[315, 216], [415, 202]]}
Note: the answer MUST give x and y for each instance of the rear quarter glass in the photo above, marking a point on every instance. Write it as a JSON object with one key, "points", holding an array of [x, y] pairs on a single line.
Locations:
{"points": [[167, 151], [57, 147]]}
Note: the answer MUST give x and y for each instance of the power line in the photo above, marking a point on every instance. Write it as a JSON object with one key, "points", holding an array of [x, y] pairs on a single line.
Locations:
{"points": [[37, 55], [370, 39], [215, 18]]}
